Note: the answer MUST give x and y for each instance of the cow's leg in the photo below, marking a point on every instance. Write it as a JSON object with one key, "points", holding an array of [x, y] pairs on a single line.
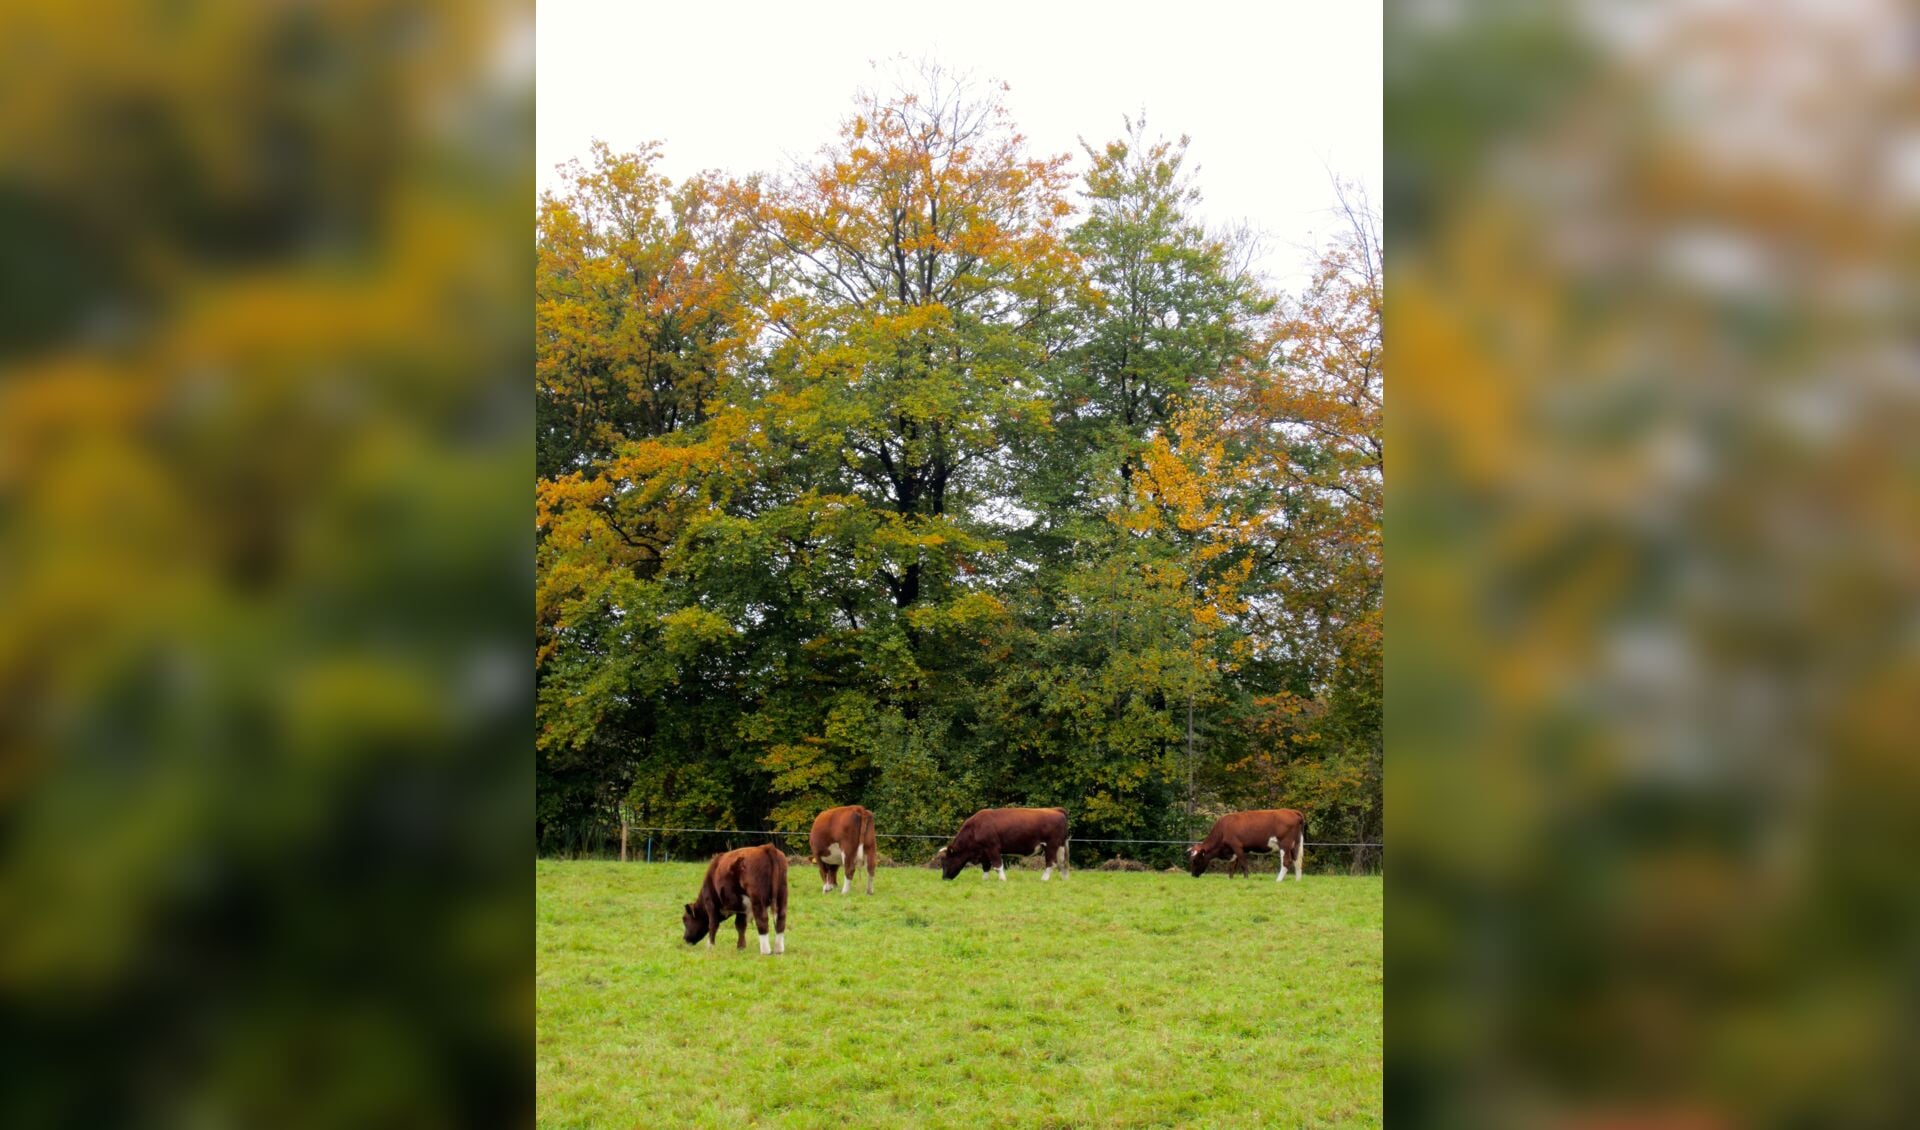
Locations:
{"points": [[1299, 850], [1046, 859], [868, 853], [830, 862], [1066, 872], [1274, 843], [851, 854], [780, 918], [999, 865], [760, 927], [713, 926], [1239, 863], [740, 925]]}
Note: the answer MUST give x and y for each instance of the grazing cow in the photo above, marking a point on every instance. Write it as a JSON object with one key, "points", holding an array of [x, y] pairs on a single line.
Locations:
{"points": [[741, 882], [840, 836], [992, 832], [1268, 829]]}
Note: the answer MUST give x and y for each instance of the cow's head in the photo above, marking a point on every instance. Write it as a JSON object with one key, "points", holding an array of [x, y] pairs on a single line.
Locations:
{"points": [[951, 862], [695, 924], [1197, 861]]}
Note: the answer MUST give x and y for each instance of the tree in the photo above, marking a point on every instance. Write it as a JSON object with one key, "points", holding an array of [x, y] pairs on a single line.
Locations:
{"points": [[877, 482], [1306, 418], [634, 319], [1165, 307]]}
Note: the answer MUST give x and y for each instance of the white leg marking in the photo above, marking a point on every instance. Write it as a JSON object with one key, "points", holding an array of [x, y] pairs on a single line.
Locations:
{"points": [[1297, 854], [826, 888], [709, 941], [1002, 869], [1047, 874], [780, 943], [846, 881], [766, 947]]}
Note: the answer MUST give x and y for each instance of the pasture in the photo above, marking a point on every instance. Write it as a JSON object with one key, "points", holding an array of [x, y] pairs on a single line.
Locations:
{"points": [[1112, 999]]}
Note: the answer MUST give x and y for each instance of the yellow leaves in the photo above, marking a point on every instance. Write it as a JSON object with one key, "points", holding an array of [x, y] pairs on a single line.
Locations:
{"points": [[687, 631]]}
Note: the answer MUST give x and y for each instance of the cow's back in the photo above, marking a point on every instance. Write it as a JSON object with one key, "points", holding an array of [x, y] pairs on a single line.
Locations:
{"points": [[1006, 826], [1257, 826]]}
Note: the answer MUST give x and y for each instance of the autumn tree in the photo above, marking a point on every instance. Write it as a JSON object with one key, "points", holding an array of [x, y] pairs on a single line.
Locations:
{"points": [[1306, 419], [633, 317], [1118, 661], [893, 479], [910, 279], [636, 330]]}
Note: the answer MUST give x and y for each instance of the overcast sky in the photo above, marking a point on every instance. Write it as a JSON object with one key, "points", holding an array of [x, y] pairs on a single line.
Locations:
{"points": [[1275, 95]]}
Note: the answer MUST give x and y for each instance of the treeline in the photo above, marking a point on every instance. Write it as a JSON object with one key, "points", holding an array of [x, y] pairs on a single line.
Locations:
{"points": [[925, 477]]}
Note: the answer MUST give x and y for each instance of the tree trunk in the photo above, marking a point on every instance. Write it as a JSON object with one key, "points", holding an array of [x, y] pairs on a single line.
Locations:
{"points": [[1189, 751]]}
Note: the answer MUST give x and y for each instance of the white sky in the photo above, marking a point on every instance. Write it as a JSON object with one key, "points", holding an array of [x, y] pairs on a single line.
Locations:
{"points": [[1275, 95]]}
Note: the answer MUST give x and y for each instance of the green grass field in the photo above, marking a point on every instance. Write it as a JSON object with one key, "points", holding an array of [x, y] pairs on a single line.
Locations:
{"points": [[1113, 999]]}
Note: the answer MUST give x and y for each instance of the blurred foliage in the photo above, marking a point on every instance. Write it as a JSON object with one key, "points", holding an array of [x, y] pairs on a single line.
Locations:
{"points": [[261, 577], [1655, 681], [900, 479]]}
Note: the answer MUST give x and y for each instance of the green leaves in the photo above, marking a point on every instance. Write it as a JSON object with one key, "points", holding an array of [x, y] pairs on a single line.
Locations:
{"points": [[877, 483]]}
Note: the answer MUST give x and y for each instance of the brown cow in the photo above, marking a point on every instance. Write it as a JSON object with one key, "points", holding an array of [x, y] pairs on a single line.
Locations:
{"points": [[992, 832], [1267, 829], [741, 882], [842, 835]]}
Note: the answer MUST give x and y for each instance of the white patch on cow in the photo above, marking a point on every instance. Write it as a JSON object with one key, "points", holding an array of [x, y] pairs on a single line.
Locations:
{"points": [[1273, 843], [709, 941], [780, 943], [1298, 852], [833, 857], [1002, 871], [745, 906], [1047, 874], [766, 947], [1282, 877], [846, 881], [859, 855], [826, 888]]}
